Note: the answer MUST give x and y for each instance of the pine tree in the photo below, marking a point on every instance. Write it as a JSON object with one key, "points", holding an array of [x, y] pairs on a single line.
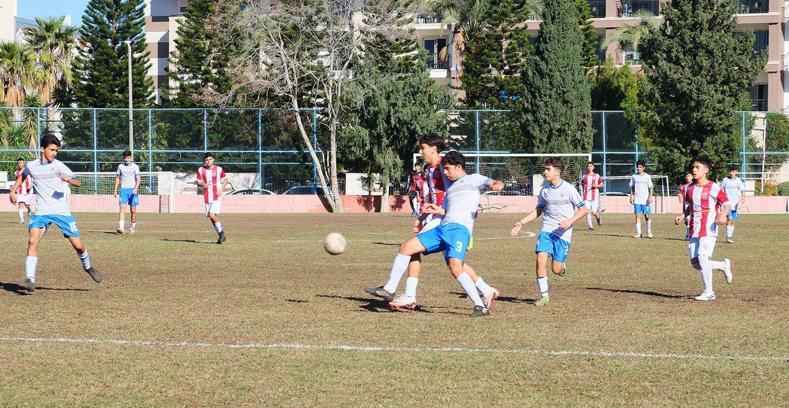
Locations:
{"points": [[589, 37], [555, 113], [102, 70], [699, 70]]}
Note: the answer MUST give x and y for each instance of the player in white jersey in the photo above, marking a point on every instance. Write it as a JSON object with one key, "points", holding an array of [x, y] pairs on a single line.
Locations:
{"points": [[561, 206], [49, 178], [708, 203], [641, 193], [683, 189], [452, 236], [25, 190], [735, 190], [213, 180], [129, 179], [591, 183]]}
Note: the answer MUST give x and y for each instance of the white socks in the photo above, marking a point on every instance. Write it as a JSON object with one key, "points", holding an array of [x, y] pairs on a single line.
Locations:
{"points": [[471, 291], [399, 266], [30, 267], [121, 225], [134, 225], [21, 215], [218, 227], [85, 258], [410, 287], [638, 228], [483, 286], [706, 274], [589, 219], [729, 230], [649, 227], [542, 285]]}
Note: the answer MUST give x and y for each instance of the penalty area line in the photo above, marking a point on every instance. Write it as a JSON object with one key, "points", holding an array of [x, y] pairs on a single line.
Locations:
{"points": [[374, 349]]}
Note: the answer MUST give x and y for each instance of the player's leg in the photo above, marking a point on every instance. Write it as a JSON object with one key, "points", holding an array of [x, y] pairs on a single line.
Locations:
{"points": [[121, 218], [84, 258], [404, 257], [31, 261], [596, 210], [638, 222], [589, 215], [456, 268], [542, 279], [407, 300], [648, 219], [22, 207], [133, 211], [489, 293], [731, 219]]}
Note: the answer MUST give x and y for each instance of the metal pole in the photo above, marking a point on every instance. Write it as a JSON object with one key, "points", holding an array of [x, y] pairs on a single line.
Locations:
{"points": [[131, 101], [314, 145], [635, 133], [260, 149], [477, 136], [38, 128], [764, 151], [742, 149], [205, 130], [95, 152], [605, 172], [150, 154]]}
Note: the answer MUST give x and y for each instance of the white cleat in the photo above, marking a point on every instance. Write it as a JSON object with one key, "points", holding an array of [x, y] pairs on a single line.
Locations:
{"points": [[650, 236], [637, 236], [727, 270], [132, 231], [403, 302], [488, 298], [705, 297]]}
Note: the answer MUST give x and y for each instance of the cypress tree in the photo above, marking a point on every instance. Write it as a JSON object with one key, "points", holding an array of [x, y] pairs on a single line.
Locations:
{"points": [[589, 37], [102, 70]]}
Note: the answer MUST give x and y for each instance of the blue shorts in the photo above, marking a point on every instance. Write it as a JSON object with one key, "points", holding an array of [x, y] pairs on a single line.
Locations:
{"points": [[733, 213], [552, 245], [128, 197], [66, 223], [642, 209], [453, 239]]}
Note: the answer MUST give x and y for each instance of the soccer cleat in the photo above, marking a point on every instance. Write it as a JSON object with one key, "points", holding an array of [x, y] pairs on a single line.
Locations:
{"points": [[119, 231], [29, 285], [480, 311], [381, 293], [729, 240], [544, 300], [590, 229], [727, 270], [704, 297], [21, 221], [488, 298], [94, 274], [597, 217], [637, 236], [563, 272], [403, 302], [132, 230], [221, 238], [649, 235]]}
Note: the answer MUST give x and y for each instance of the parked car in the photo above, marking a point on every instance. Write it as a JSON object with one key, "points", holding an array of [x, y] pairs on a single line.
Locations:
{"points": [[252, 191], [302, 190]]}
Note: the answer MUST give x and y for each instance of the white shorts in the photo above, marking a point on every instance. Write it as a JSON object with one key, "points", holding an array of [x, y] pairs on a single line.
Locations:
{"points": [[703, 246], [24, 198], [593, 205], [214, 207]]}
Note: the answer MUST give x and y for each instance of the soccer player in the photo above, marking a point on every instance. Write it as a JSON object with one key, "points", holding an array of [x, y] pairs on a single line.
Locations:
{"points": [[734, 188], [452, 235], [641, 193], [414, 189], [590, 185], [430, 146], [128, 178], [49, 178], [213, 180], [683, 189], [561, 206], [24, 192], [708, 204]]}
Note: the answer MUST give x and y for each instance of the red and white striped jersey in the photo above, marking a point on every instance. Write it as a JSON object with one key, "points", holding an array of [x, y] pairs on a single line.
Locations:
{"points": [[589, 183], [437, 183], [212, 179], [25, 188], [683, 191], [705, 202]]}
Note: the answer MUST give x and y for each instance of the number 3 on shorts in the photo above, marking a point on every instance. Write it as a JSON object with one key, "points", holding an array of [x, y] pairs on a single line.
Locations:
{"points": [[459, 246], [73, 226]]}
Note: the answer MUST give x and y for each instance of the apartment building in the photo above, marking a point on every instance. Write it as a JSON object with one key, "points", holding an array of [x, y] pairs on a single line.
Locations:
{"points": [[766, 18]]}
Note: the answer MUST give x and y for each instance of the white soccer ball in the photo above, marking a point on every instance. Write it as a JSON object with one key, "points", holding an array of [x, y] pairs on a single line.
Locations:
{"points": [[334, 243]]}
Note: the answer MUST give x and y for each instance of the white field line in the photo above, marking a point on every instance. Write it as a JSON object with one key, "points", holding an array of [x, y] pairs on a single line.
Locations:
{"points": [[375, 349]]}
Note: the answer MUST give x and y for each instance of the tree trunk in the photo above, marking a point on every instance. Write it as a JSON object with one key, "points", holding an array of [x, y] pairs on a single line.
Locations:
{"points": [[313, 156], [335, 185], [385, 196]]}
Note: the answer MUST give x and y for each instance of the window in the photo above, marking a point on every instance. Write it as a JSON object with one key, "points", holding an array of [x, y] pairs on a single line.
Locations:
{"points": [[762, 41], [437, 53], [759, 97], [751, 6], [598, 8]]}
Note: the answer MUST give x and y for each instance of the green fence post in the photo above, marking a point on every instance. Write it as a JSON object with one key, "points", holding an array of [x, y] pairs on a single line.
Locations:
{"points": [[742, 140], [95, 152], [477, 136], [260, 149], [635, 133], [205, 130], [603, 134], [150, 149]]}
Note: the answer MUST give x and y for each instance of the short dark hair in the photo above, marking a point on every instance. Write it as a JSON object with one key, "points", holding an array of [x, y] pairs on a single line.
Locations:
{"points": [[732, 167], [555, 162], [703, 160], [641, 163], [588, 163], [127, 153], [21, 159], [207, 155], [454, 158], [49, 139], [433, 139]]}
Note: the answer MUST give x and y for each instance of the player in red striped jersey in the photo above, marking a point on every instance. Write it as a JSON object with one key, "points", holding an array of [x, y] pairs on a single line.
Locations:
{"points": [[590, 191], [213, 180], [683, 189], [708, 204], [25, 191]]}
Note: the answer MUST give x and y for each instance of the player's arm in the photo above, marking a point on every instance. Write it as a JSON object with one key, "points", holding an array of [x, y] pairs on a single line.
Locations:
{"points": [[137, 184], [12, 193], [71, 180], [516, 228], [435, 209], [221, 191], [579, 213], [495, 185], [632, 191], [117, 182], [651, 194], [680, 197]]}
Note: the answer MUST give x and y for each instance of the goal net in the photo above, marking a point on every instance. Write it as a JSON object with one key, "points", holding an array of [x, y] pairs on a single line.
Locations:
{"points": [[95, 192], [522, 173]]}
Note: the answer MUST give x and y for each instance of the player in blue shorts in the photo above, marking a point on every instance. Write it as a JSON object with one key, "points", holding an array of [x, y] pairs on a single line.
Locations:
{"points": [[735, 190], [561, 206], [129, 180], [641, 193], [452, 236], [50, 179]]}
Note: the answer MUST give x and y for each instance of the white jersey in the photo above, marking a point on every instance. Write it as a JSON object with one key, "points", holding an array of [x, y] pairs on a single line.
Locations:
{"points": [[734, 188], [128, 174], [558, 204], [462, 200], [49, 188], [641, 184]]}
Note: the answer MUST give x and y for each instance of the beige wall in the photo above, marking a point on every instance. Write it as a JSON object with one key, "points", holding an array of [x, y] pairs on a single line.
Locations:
{"points": [[8, 12]]}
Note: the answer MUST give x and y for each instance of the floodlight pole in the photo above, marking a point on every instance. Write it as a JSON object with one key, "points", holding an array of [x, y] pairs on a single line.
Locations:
{"points": [[131, 100]]}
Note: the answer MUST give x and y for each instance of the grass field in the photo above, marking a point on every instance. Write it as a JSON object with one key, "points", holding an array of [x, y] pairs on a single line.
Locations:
{"points": [[269, 319]]}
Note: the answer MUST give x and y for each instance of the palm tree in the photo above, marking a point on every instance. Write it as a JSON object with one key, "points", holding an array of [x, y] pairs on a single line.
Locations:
{"points": [[54, 44], [17, 67], [30, 120], [631, 35]]}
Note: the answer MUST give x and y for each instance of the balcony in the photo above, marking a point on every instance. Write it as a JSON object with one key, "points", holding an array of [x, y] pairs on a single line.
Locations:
{"points": [[629, 8], [427, 19], [751, 6], [598, 8]]}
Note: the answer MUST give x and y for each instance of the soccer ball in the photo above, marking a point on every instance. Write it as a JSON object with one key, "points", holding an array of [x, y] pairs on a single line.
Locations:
{"points": [[334, 243]]}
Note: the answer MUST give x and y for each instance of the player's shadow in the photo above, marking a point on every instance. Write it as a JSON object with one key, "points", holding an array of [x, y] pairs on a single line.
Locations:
{"points": [[15, 288], [507, 299], [631, 237], [385, 243], [642, 292], [188, 241], [371, 305]]}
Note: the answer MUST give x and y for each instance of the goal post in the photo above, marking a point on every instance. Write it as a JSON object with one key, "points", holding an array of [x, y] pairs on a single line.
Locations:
{"points": [[620, 185], [157, 190]]}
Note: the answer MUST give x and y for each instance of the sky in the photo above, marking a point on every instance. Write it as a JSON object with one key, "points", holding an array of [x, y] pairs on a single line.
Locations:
{"points": [[52, 8]]}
